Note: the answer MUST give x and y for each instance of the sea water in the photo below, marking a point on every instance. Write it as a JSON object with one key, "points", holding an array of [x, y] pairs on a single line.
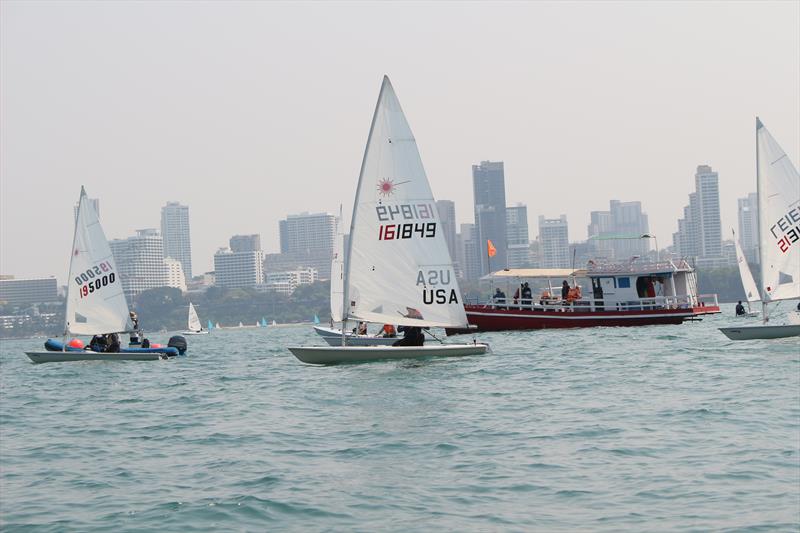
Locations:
{"points": [[648, 428]]}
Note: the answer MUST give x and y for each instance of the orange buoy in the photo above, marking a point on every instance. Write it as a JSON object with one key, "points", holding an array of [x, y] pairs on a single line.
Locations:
{"points": [[75, 343]]}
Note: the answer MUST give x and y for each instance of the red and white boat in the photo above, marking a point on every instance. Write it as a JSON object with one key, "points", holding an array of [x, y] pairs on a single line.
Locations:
{"points": [[633, 293]]}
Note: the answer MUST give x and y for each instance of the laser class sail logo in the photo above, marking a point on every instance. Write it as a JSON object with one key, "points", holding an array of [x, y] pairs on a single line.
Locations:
{"points": [[386, 186]]}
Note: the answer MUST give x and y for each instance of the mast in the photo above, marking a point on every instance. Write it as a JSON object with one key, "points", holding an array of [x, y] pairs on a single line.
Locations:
{"points": [[72, 257], [761, 211]]}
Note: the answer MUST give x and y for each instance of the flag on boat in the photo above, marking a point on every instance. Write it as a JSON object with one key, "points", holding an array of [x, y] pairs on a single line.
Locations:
{"points": [[490, 249]]}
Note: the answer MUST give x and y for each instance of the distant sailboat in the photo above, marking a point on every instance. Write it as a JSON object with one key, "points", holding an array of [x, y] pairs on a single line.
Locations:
{"points": [[263, 322], [210, 326], [217, 325], [316, 319], [748, 283], [274, 323], [194, 323]]}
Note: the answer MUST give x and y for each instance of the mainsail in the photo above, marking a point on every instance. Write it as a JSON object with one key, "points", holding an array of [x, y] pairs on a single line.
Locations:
{"points": [[778, 219], [398, 268], [95, 300], [194, 320]]}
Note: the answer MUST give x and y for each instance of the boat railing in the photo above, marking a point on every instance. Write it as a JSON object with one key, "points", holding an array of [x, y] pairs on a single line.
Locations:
{"points": [[632, 266], [590, 304]]}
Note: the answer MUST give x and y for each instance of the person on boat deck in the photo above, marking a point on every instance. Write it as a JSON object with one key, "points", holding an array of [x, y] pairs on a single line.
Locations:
{"points": [[388, 331], [412, 336], [362, 328], [113, 343], [98, 343], [527, 295], [499, 297], [740, 309], [564, 290], [516, 295], [134, 337]]}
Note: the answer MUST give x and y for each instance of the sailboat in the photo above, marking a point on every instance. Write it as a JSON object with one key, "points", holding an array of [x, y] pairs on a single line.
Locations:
{"points": [[210, 325], [194, 323], [778, 188], [216, 326], [263, 322], [397, 266], [748, 283], [95, 299], [332, 335]]}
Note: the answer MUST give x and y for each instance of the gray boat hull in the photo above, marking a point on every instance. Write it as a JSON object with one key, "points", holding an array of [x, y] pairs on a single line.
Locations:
{"points": [[761, 332], [329, 355], [65, 357]]}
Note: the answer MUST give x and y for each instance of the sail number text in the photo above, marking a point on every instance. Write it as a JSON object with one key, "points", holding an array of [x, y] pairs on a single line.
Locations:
{"points": [[95, 278], [413, 218], [789, 226], [390, 232]]}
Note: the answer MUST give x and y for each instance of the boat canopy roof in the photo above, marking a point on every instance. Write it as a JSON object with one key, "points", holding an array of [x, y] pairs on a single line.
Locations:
{"points": [[528, 273]]}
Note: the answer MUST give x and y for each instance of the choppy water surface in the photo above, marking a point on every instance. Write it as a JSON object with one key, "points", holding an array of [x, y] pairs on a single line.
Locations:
{"points": [[656, 428]]}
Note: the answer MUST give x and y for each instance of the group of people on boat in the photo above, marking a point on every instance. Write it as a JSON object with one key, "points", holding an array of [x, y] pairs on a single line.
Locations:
{"points": [[523, 296], [412, 335], [110, 342]]}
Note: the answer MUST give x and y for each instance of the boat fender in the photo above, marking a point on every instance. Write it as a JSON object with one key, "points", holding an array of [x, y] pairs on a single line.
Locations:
{"points": [[75, 343], [178, 342]]}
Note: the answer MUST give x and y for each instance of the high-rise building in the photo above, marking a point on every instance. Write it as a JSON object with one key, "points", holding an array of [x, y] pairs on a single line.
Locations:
{"points": [[14, 291], [700, 231], [308, 232], [519, 245], [238, 269], [554, 242], [286, 282], [175, 232], [467, 252], [175, 275], [245, 243], [489, 190], [94, 203], [748, 226], [447, 221], [140, 262], [616, 233]]}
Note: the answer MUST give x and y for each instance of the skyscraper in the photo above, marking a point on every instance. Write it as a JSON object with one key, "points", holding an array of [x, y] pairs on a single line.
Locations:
{"points": [[307, 232], [489, 190], [140, 262], [245, 243], [554, 242], [238, 269], [175, 232], [748, 226], [467, 252], [519, 246], [700, 231], [616, 233]]}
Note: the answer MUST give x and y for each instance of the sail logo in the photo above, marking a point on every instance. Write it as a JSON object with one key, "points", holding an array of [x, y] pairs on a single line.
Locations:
{"points": [[789, 229], [433, 294]]}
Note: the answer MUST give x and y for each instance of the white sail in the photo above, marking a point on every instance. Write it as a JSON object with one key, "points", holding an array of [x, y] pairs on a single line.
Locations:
{"points": [[194, 320], [749, 284], [337, 272], [398, 268], [95, 301], [778, 219]]}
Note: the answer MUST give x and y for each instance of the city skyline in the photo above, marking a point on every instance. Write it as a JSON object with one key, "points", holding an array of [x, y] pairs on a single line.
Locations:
{"points": [[228, 140]]}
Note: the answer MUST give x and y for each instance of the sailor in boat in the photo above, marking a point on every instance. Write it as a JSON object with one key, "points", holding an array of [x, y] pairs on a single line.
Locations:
{"points": [[412, 336], [740, 309], [362, 328], [135, 337], [388, 331], [99, 343]]}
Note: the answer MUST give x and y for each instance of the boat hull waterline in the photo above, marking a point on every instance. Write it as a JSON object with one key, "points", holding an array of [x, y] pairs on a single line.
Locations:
{"points": [[65, 357], [761, 332], [327, 355]]}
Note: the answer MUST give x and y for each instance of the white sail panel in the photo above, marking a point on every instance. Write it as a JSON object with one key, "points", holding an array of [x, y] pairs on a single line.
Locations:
{"points": [[337, 272], [194, 320], [749, 284], [95, 301], [399, 269], [779, 219]]}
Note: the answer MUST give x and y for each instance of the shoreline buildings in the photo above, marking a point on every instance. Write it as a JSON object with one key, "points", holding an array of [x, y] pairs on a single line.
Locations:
{"points": [[699, 234], [176, 235]]}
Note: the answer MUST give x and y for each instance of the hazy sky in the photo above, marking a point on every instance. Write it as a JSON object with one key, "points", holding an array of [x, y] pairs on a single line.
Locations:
{"points": [[251, 111]]}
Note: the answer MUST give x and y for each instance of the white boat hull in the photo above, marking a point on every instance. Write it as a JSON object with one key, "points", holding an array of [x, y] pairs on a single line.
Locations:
{"points": [[334, 338], [202, 332], [64, 357], [761, 332], [327, 355]]}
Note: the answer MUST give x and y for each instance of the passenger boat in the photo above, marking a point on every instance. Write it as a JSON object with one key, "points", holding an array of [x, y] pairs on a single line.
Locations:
{"points": [[634, 293]]}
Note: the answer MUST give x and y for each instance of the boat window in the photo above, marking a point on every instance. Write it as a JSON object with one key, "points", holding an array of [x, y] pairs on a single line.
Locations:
{"points": [[624, 283]]}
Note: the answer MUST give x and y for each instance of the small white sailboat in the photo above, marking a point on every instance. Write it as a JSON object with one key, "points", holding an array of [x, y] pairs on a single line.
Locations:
{"points": [[216, 326], [748, 283], [95, 300], [194, 323], [778, 187], [397, 268]]}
